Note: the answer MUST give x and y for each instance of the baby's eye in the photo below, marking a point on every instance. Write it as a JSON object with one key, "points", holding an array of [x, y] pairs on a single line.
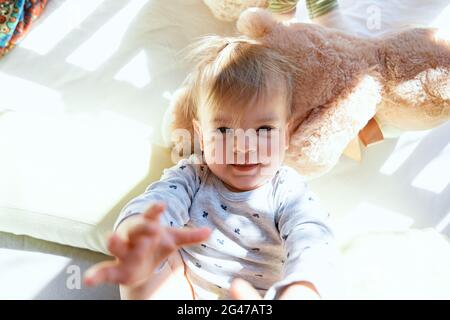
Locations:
{"points": [[265, 128], [223, 130]]}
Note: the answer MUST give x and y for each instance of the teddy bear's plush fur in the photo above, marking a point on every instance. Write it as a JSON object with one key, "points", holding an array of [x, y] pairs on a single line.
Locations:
{"points": [[342, 81]]}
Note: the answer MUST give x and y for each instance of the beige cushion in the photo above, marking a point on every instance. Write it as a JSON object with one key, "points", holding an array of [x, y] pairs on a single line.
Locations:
{"points": [[65, 178]]}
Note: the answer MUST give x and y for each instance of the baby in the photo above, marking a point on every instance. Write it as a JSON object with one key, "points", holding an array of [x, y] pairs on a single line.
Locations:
{"points": [[231, 210]]}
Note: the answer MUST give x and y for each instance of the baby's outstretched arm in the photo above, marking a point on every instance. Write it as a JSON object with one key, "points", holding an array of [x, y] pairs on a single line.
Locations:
{"points": [[311, 267], [140, 245]]}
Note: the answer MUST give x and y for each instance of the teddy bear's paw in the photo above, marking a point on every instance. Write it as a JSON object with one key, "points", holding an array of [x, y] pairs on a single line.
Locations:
{"points": [[420, 103], [229, 10], [316, 146], [256, 22]]}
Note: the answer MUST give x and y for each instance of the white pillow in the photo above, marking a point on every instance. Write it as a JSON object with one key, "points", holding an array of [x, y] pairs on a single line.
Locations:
{"points": [[64, 178]]}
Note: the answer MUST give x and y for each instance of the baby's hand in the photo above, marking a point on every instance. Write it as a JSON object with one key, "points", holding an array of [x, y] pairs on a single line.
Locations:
{"points": [[142, 246], [243, 290], [302, 290]]}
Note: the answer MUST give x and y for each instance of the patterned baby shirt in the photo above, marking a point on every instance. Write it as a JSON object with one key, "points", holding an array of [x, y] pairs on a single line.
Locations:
{"points": [[271, 236]]}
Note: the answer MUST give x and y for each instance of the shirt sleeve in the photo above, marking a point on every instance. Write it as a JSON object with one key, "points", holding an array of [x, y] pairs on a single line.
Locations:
{"points": [[308, 241], [176, 189]]}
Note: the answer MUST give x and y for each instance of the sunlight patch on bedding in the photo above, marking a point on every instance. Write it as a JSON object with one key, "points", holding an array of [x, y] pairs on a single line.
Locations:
{"points": [[368, 217], [105, 42], [22, 95], [398, 265], [167, 95], [435, 177], [135, 72], [444, 223], [406, 145], [59, 24], [443, 23], [17, 273], [116, 120]]}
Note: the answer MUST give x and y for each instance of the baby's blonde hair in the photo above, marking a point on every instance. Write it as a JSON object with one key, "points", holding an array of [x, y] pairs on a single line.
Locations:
{"points": [[234, 71], [229, 72]]}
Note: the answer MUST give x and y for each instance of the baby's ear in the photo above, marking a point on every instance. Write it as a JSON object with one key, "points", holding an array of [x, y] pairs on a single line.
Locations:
{"points": [[287, 134], [183, 111], [196, 125], [198, 131]]}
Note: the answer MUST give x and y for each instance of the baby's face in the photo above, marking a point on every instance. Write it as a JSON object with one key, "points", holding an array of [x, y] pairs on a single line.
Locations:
{"points": [[245, 153]]}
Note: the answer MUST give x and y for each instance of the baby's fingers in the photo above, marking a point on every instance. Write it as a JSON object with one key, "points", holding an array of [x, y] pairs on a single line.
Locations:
{"points": [[117, 246], [185, 237], [154, 212], [142, 229], [103, 272]]}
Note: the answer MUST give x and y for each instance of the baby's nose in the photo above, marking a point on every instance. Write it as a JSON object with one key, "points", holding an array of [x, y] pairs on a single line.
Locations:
{"points": [[245, 150], [245, 144]]}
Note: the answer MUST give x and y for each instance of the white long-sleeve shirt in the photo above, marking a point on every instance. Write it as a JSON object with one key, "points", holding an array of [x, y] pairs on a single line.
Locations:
{"points": [[271, 236]]}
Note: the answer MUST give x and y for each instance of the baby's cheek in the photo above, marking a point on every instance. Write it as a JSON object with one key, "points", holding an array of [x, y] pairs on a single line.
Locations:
{"points": [[265, 150], [270, 169], [211, 154], [271, 150], [218, 151]]}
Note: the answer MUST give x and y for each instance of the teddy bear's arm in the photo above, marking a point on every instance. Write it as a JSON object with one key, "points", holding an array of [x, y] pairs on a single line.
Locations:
{"points": [[317, 144], [415, 65]]}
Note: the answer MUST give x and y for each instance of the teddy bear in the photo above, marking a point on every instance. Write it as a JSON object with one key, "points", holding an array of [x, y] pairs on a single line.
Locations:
{"points": [[343, 82]]}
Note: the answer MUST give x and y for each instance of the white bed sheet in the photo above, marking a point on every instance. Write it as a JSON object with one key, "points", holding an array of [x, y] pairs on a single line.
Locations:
{"points": [[41, 270]]}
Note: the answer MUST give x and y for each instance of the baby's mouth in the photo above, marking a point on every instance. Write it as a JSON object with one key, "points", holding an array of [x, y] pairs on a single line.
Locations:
{"points": [[245, 166]]}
